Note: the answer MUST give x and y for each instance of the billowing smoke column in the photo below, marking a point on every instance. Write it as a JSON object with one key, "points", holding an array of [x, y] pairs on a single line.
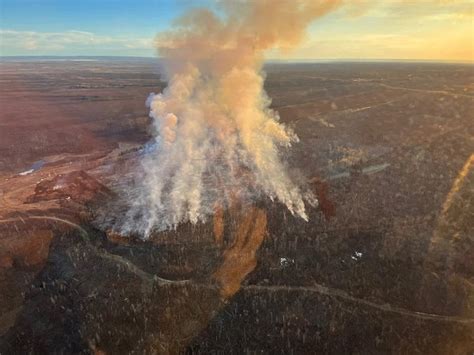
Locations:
{"points": [[217, 140]]}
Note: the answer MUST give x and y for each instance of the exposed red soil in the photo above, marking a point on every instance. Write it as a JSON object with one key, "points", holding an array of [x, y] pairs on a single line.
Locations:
{"points": [[23, 247], [327, 206], [76, 185]]}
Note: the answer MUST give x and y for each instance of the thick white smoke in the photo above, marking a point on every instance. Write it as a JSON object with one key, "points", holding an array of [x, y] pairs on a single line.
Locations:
{"points": [[217, 140]]}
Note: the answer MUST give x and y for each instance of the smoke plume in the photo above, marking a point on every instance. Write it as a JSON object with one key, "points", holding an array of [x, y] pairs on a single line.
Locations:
{"points": [[216, 138]]}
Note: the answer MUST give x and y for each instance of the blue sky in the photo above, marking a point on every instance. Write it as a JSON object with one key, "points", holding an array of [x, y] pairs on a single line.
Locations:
{"points": [[379, 29], [136, 17], [113, 25]]}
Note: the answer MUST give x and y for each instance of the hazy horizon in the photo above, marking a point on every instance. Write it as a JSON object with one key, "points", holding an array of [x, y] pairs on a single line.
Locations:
{"points": [[269, 60], [431, 30]]}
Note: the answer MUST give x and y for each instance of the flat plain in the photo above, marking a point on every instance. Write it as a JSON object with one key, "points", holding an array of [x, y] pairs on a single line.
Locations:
{"points": [[384, 264]]}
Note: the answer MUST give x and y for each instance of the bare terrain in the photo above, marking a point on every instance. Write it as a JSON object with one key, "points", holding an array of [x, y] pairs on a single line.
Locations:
{"points": [[383, 266]]}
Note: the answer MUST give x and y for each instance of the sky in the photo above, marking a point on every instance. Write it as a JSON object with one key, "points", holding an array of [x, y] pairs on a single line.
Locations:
{"points": [[365, 29]]}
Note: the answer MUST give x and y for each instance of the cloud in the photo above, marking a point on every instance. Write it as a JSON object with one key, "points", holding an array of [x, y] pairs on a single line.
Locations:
{"points": [[31, 42], [426, 9], [408, 9], [395, 29], [411, 27], [432, 44]]}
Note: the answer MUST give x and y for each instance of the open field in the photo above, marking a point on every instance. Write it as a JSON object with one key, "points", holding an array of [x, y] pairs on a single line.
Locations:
{"points": [[383, 266]]}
